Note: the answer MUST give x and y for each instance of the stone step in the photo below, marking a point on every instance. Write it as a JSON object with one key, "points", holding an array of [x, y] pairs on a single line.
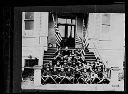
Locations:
{"points": [[48, 58], [52, 48], [51, 53], [89, 55], [90, 59], [89, 52], [46, 61]]}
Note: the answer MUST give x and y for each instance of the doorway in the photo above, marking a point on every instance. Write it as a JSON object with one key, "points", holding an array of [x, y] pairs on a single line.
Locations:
{"points": [[67, 27], [67, 32]]}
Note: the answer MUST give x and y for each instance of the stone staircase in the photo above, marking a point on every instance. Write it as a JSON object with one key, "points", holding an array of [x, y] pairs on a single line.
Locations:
{"points": [[50, 54], [90, 56]]}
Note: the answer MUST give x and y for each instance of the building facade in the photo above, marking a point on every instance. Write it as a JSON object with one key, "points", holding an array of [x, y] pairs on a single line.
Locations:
{"points": [[104, 33]]}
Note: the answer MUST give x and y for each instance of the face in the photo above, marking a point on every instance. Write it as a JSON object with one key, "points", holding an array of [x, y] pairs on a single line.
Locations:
{"points": [[62, 69], [58, 63], [54, 69], [47, 69], [77, 69], [50, 62], [66, 48], [68, 69], [65, 63], [61, 57], [88, 64], [84, 70]]}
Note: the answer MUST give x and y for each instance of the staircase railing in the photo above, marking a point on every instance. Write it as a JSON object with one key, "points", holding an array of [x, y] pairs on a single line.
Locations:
{"points": [[105, 69], [95, 49], [97, 52]]}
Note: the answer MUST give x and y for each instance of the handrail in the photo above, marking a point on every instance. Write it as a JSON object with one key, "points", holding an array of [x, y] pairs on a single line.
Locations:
{"points": [[97, 51], [109, 69]]}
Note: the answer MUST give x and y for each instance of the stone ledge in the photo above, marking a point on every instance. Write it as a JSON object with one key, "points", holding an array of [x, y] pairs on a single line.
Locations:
{"points": [[37, 67]]}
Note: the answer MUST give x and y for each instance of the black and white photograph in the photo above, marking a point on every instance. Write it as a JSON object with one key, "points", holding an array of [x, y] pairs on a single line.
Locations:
{"points": [[73, 51]]}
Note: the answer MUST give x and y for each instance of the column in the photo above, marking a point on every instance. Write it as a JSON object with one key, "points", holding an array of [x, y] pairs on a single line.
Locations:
{"points": [[37, 75]]}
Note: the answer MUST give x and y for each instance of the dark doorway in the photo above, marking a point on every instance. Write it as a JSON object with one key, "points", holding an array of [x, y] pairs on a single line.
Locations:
{"points": [[68, 35], [67, 31]]}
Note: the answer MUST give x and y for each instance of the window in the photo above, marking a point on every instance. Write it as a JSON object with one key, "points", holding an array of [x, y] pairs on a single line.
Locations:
{"points": [[71, 31], [61, 20], [69, 21], [29, 20], [106, 19], [73, 21], [106, 22], [29, 25], [66, 27], [66, 21], [105, 35], [29, 15]]}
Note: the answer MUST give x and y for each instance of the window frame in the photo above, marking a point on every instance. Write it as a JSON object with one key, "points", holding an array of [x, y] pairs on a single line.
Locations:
{"points": [[25, 32]]}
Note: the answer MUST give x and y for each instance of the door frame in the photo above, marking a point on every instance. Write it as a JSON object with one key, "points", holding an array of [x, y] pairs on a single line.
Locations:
{"points": [[66, 27]]}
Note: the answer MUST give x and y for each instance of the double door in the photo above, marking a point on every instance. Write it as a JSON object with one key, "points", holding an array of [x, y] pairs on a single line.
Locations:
{"points": [[67, 32]]}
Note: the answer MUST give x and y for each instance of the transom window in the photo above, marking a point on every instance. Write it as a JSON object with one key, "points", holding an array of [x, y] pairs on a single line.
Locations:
{"points": [[66, 21]]}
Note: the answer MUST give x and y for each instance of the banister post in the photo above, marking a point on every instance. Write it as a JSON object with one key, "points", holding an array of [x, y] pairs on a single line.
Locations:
{"points": [[37, 75], [37, 68]]}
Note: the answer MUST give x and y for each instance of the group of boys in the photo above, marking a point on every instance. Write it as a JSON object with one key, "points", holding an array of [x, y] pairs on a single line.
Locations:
{"points": [[74, 68]]}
